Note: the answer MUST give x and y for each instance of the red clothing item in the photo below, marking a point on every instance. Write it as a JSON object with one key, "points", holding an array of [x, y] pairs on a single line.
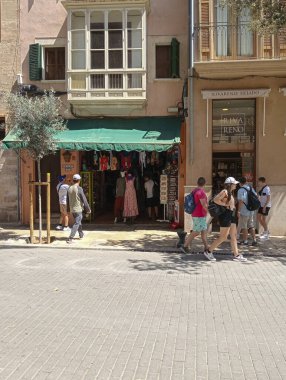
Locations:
{"points": [[199, 212], [103, 162]]}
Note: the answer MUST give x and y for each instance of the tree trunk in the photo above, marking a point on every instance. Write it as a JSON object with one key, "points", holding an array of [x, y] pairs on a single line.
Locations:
{"points": [[40, 200]]}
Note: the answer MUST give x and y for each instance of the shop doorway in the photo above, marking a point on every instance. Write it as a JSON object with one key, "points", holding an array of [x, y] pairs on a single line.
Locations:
{"points": [[233, 140], [50, 164], [101, 169]]}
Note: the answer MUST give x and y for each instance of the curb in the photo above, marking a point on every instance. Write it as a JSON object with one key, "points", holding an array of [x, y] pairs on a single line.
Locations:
{"points": [[108, 249]]}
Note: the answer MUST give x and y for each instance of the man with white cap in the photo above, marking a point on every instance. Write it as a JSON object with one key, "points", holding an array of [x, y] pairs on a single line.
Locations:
{"points": [[78, 204]]}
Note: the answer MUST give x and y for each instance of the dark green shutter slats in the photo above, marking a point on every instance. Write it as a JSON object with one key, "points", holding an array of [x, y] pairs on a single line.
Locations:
{"points": [[175, 58], [35, 62]]}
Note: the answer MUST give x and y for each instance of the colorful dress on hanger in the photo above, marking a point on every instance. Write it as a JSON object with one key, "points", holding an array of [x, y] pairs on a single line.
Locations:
{"points": [[130, 199], [103, 163], [125, 161]]}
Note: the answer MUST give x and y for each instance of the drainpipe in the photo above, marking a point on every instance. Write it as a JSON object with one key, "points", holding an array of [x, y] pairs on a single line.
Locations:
{"points": [[191, 80]]}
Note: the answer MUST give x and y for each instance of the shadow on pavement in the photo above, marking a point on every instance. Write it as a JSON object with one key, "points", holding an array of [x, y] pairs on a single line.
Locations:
{"points": [[192, 263]]}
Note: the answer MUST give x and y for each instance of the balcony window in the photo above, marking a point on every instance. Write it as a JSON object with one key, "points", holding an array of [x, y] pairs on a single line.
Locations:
{"points": [[78, 38], [232, 34], [107, 48]]}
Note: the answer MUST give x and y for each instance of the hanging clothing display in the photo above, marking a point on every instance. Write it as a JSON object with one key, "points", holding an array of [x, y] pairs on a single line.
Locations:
{"points": [[125, 161], [130, 199], [142, 161], [114, 163], [103, 163]]}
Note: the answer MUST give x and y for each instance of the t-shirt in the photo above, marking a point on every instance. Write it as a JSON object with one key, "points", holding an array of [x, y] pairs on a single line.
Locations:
{"points": [[242, 195], [149, 188], [263, 197], [62, 189], [199, 211]]}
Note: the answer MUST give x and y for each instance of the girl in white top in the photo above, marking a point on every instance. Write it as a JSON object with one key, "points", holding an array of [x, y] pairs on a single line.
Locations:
{"points": [[227, 221]]}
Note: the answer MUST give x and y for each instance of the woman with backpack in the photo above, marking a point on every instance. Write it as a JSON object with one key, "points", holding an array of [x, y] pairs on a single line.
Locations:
{"points": [[227, 221]]}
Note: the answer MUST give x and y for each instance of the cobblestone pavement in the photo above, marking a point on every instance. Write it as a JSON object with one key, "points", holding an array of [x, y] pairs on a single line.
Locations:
{"points": [[91, 314]]}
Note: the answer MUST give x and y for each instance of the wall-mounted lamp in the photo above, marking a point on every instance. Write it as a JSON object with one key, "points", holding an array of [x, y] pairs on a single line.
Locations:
{"points": [[67, 156]]}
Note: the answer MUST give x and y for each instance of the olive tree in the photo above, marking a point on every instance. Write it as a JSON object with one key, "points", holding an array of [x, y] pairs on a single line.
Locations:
{"points": [[35, 122], [268, 16]]}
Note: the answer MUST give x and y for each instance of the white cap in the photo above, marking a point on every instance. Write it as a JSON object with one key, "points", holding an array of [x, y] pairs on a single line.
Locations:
{"points": [[76, 177], [231, 180]]}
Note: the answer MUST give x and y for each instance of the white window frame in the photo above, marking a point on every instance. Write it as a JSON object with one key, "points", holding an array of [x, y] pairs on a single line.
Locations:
{"points": [[89, 93]]}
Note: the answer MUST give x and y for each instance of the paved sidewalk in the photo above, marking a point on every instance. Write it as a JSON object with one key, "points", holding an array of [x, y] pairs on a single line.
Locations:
{"points": [[125, 315], [158, 238]]}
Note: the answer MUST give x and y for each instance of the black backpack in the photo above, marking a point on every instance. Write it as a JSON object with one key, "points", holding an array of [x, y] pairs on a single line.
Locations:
{"points": [[253, 203]]}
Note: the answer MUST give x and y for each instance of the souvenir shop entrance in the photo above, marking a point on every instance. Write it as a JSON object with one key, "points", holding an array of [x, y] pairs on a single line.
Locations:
{"points": [[101, 171]]}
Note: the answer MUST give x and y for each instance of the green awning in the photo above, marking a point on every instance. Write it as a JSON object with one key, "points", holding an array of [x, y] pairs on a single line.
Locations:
{"points": [[142, 134]]}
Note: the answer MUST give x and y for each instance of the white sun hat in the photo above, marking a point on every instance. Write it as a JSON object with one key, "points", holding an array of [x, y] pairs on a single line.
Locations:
{"points": [[231, 180]]}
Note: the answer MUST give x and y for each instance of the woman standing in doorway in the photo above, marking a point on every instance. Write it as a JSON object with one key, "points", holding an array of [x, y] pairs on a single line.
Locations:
{"points": [[130, 200], [227, 221]]}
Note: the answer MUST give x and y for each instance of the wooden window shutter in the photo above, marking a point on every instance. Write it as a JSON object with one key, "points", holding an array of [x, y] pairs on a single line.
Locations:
{"points": [[35, 62], [268, 46], [204, 29], [282, 38], [175, 58]]}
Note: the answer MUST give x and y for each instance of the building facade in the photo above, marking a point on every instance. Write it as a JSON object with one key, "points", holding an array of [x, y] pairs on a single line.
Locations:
{"points": [[238, 125], [120, 68], [9, 68]]}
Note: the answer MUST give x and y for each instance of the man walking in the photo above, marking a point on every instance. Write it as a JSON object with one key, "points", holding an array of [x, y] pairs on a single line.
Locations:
{"points": [[199, 216], [265, 202], [77, 203], [62, 189], [245, 217]]}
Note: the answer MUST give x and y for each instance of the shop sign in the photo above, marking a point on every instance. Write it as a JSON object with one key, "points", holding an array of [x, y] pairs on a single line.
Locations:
{"points": [[163, 189], [68, 167], [233, 124], [236, 94]]}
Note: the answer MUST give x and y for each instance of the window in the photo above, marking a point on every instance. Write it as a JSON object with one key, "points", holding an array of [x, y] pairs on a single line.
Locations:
{"points": [[163, 61], [107, 53], [234, 121], [167, 60], [49, 61], [233, 36], [55, 63]]}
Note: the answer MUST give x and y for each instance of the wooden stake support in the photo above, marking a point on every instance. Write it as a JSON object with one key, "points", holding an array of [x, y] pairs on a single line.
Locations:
{"points": [[33, 184]]}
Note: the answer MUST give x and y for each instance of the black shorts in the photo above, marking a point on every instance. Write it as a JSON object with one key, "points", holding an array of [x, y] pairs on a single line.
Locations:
{"points": [[260, 211], [227, 218], [152, 202]]}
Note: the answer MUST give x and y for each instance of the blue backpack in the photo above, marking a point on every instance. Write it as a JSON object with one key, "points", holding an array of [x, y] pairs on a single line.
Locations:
{"points": [[189, 203]]}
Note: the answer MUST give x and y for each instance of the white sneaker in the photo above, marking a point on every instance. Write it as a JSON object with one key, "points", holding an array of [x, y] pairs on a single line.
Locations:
{"points": [[59, 227], [240, 258], [264, 236], [66, 229], [209, 256]]}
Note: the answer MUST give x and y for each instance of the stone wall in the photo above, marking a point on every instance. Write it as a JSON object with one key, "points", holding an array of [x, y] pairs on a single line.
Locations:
{"points": [[9, 186], [9, 68]]}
